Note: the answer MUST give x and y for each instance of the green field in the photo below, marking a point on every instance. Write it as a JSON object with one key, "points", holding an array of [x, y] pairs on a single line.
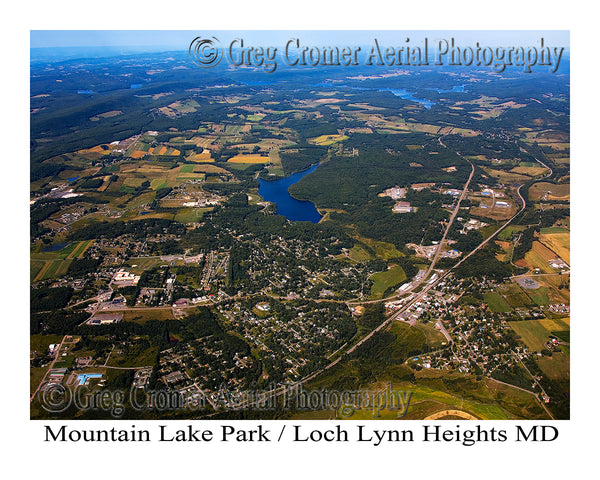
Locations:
{"points": [[516, 297], [534, 333], [359, 254], [132, 357], [433, 337], [548, 230], [385, 280], [383, 250], [190, 215], [144, 263], [35, 266], [556, 367], [432, 392], [496, 303], [81, 247], [507, 233], [539, 296], [256, 118], [53, 269], [142, 316]]}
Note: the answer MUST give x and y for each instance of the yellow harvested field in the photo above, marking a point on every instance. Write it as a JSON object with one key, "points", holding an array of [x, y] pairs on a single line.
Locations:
{"points": [[538, 257], [203, 157], [96, 149], [249, 159], [532, 171], [559, 243], [138, 154], [157, 150], [328, 139], [543, 251]]}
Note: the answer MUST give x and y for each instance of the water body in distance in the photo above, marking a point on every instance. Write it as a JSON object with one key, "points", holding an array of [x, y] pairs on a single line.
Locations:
{"points": [[399, 92], [289, 207], [54, 248]]}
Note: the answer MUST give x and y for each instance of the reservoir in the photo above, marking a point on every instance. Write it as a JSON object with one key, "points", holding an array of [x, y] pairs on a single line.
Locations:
{"points": [[292, 209], [54, 248]]}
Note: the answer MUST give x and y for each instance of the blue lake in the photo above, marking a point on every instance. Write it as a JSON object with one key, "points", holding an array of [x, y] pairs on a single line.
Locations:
{"points": [[289, 207], [406, 95], [456, 89], [54, 248], [399, 92]]}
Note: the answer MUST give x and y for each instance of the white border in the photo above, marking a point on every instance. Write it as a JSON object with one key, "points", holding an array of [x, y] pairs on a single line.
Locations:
{"points": [[574, 450]]}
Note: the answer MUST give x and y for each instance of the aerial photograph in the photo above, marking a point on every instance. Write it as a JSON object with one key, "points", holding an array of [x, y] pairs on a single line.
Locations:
{"points": [[299, 225]]}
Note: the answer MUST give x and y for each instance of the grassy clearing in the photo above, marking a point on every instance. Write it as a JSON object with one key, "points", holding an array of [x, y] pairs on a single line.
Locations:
{"points": [[539, 296], [359, 254], [509, 231], [133, 358], [255, 118], [484, 398], [187, 168], [81, 248], [385, 280], [557, 367], [383, 250], [496, 303], [142, 316], [532, 171], [190, 215], [549, 191], [433, 337], [534, 333], [35, 266], [515, 296], [144, 263], [53, 269]]}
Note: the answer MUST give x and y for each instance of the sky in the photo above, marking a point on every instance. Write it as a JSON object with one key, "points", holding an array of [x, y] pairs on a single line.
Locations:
{"points": [[177, 39]]}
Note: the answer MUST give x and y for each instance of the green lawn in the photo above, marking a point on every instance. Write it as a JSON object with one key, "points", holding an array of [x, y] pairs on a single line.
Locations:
{"points": [[388, 279], [496, 303]]}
